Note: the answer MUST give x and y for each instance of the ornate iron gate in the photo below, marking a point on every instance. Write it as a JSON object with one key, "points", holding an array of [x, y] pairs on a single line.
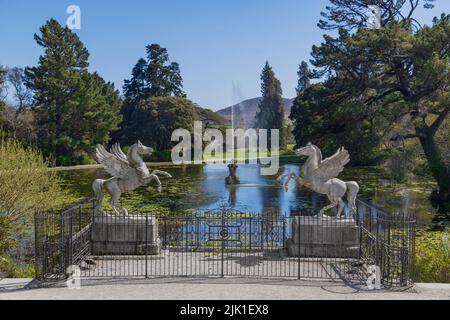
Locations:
{"points": [[224, 243]]}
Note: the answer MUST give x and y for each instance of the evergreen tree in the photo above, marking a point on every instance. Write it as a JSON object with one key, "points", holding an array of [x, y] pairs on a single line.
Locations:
{"points": [[135, 90], [271, 108], [75, 109], [155, 119], [354, 14], [393, 76], [304, 78], [163, 78], [155, 76]]}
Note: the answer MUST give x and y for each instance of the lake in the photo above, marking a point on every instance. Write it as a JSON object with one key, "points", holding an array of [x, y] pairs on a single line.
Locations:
{"points": [[203, 188]]}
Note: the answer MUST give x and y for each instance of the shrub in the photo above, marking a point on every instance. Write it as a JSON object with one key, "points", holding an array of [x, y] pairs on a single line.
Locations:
{"points": [[11, 269], [26, 185], [432, 257]]}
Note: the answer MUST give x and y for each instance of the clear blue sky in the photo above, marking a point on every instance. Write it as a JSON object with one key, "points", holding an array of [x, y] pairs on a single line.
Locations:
{"points": [[216, 42]]}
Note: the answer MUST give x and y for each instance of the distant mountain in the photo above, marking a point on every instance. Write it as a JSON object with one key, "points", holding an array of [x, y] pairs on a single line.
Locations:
{"points": [[245, 112]]}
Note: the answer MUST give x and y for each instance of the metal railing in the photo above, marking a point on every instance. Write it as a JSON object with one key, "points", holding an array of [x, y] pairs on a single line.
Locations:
{"points": [[387, 242], [225, 243], [62, 239]]}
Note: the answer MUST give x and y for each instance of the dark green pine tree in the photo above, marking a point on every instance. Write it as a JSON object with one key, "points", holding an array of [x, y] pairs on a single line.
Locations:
{"points": [[75, 109], [304, 78], [271, 108], [354, 14], [135, 90], [153, 77]]}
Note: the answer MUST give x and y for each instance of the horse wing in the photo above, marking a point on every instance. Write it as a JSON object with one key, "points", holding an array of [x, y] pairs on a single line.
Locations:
{"points": [[117, 151], [114, 164], [331, 167]]}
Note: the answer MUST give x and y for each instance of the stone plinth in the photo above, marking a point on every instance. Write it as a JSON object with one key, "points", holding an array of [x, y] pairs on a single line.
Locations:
{"points": [[133, 235], [324, 238]]}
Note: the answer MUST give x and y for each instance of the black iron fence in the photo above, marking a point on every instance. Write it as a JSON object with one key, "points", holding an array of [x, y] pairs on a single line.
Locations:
{"points": [[225, 243], [388, 242], [62, 239]]}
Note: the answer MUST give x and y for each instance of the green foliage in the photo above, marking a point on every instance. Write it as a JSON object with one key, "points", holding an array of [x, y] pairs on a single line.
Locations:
{"points": [[443, 139], [210, 117], [151, 77], [154, 120], [401, 162], [432, 257], [12, 269], [75, 109], [161, 156], [154, 77], [304, 78], [8, 232], [271, 108], [380, 82], [26, 186], [321, 117], [354, 14]]}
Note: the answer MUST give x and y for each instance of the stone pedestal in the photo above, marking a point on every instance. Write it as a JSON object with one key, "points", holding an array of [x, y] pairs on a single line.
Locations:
{"points": [[133, 235], [324, 238]]}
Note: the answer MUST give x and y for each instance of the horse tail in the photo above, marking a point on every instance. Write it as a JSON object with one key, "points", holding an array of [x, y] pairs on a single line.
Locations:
{"points": [[97, 186], [353, 190]]}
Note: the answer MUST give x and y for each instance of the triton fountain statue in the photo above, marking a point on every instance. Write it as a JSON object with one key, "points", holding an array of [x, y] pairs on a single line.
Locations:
{"points": [[233, 178]]}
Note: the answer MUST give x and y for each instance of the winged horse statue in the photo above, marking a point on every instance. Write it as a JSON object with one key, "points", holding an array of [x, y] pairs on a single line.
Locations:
{"points": [[128, 172], [320, 174]]}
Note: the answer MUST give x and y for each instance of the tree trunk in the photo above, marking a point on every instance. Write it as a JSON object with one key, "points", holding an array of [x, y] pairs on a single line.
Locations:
{"points": [[438, 168]]}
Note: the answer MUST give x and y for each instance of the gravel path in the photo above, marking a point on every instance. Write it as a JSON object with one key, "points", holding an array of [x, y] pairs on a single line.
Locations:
{"points": [[224, 289]]}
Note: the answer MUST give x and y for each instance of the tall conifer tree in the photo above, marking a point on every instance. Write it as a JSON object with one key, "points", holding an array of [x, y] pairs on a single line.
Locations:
{"points": [[75, 109], [271, 108], [152, 77], [304, 78]]}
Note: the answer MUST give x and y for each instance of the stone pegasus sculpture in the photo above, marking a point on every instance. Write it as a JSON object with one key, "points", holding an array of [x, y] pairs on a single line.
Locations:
{"points": [[320, 175], [128, 172]]}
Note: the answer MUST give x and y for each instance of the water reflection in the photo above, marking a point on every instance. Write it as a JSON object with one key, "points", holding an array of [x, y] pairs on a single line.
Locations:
{"points": [[256, 193], [203, 187]]}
